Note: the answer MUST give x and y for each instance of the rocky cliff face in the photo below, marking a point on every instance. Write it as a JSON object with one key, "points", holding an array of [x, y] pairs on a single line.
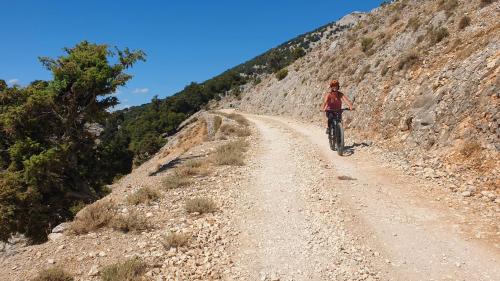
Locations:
{"points": [[424, 79]]}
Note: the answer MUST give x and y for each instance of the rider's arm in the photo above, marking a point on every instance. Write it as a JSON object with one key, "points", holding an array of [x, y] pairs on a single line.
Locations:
{"points": [[347, 101], [325, 100]]}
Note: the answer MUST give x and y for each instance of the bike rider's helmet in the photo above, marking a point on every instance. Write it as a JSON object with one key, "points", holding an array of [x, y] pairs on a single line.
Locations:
{"points": [[335, 83]]}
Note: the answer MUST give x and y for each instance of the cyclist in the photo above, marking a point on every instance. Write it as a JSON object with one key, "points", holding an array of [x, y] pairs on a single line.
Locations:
{"points": [[333, 101]]}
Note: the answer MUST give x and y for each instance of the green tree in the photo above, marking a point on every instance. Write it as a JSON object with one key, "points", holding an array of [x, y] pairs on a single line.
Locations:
{"points": [[298, 52], [49, 134]]}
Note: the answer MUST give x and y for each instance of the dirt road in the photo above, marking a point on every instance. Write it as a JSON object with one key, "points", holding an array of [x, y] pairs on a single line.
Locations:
{"points": [[299, 221]]}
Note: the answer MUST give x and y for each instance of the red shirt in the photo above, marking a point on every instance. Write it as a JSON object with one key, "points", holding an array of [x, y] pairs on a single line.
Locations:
{"points": [[334, 101]]}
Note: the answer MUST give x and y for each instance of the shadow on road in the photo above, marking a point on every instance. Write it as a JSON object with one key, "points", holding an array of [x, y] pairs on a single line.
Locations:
{"points": [[349, 150]]}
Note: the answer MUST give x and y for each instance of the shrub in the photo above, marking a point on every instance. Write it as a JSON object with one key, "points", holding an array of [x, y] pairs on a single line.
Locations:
{"points": [[448, 5], [236, 117], [231, 153], [394, 19], [195, 164], [280, 75], [408, 60], [243, 132], [456, 43], [77, 208], [53, 274], [239, 118], [484, 3], [298, 52], [469, 148], [200, 205], [132, 221], [93, 217], [464, 22], [420, 38], [366, 44], [413, 24], [229, 130], [436, 35], [175, 180], [143, 195], [174, 240], [129, 270], [193, 168]]}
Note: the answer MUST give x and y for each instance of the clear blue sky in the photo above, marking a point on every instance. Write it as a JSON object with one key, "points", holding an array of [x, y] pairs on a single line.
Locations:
{"points": [[185, 40]]}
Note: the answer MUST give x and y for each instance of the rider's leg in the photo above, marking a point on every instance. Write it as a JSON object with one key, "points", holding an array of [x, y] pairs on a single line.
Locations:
{"points": [[326, 122]]}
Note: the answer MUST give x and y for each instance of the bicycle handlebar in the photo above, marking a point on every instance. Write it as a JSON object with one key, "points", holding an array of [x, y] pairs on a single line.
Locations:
{"points": [[343, 109]]}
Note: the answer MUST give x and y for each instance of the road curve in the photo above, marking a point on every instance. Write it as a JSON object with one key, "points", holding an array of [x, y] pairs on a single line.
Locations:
{"points": [[300, 222]]}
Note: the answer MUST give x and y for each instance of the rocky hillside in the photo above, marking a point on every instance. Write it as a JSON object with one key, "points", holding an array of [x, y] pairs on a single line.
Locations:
{"points": [[164, 221], [423, 76]]}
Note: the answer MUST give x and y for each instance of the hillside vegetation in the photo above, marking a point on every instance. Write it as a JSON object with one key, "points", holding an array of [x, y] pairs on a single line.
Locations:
{"points": [[51, 162]]}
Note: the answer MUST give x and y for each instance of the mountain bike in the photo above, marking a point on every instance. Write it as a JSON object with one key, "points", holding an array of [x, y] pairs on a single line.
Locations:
{"points": [[335, 131]]}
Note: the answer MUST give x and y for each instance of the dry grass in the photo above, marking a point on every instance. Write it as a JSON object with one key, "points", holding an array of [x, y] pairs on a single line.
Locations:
{"points": [[239, 118], [176, 180], [464, 22], [231, 130], [448, 5], [236, 117], [174, 240], [200, 205], [394, 19], [93, 217], [193, 168], [345, 178], [231, 153], [413, 24], [436, 35], [143, 195], [469, 148], [408, 60], [129, 270], [484, 3], [53, 274], [133, 221]]}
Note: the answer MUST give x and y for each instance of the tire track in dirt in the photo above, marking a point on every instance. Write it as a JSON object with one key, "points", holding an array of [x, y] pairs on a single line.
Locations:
{"points": [[415, 237]]}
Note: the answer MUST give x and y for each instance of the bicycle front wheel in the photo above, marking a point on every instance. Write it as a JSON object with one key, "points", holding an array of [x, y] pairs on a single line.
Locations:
{"points": [[331, 136], [340, 139]]}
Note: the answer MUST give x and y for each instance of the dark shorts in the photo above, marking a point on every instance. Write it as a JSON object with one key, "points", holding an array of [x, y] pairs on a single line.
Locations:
{"points": [[328, 112]]}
